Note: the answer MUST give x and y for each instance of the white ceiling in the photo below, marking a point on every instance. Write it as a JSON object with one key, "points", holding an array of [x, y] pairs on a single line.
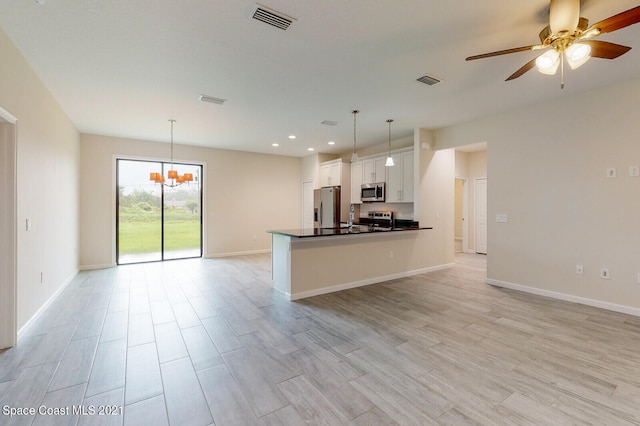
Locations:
{"points": [[123, 68]]}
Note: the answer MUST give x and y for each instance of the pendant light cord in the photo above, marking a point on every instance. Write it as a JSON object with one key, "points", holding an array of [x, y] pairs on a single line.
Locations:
{"points": [[355, 111]]}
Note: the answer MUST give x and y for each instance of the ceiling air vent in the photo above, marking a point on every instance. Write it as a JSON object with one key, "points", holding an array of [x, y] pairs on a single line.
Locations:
{"points": [[429, 80], [329, 123], [212, 99], [272, 17]]}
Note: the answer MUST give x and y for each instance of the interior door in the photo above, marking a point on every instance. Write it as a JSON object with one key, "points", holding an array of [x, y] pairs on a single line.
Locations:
{"points": [[154, 221], [481, 215]]}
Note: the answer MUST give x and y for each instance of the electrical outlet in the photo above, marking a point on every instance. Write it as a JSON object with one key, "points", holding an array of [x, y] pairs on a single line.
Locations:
{"points": [[391, 254], [638, 278], [579, 269], [634, 171], [502, 218], [604, 273]]}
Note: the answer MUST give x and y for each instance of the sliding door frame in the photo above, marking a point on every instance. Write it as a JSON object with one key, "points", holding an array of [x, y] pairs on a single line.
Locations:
{"points": [[164, 163]]}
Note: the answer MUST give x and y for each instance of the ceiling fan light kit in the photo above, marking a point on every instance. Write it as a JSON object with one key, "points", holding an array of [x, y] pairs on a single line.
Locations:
{"points": [[568, 37]]}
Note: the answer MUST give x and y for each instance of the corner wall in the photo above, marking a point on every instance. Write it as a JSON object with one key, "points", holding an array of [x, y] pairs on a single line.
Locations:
{"points": [[47, 184], [562, 209], [245, 195]]}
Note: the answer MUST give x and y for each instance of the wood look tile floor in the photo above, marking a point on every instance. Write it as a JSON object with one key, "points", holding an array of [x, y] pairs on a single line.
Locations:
{"points": [[200, 342]]}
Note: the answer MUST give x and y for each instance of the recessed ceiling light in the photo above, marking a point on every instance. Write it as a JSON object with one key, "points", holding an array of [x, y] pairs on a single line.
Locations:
{"points": [[292, 136], [275, 144], [309, 149], [332, 143]]}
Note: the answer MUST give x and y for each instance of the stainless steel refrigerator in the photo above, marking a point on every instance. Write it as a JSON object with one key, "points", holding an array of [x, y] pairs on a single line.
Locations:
{"points": [[326, 207]]}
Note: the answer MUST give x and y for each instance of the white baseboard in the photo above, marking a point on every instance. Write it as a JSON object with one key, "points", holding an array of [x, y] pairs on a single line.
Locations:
{"points": [[236, 253], [46, 304], [93, 267], [360, 283], [566, 297]]}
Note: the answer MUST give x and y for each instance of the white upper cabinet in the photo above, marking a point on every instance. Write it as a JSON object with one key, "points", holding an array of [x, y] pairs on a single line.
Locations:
{"points": [[400, 179], [373, 170], [335, 173]]}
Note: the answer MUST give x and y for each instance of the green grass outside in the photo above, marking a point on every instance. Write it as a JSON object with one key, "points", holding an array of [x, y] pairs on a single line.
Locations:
{"points": [[139, 230]]}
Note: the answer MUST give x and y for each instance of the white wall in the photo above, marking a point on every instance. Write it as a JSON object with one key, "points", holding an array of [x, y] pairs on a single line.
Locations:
{"points": [[547, 170], [245, 195], [47, 183]]}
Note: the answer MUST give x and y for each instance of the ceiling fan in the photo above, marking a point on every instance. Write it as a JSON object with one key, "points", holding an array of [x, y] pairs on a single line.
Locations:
{"points": [[569, 37]]}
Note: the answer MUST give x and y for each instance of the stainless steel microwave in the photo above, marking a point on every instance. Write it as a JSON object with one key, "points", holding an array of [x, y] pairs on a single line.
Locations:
{"points": [[370, 192]]}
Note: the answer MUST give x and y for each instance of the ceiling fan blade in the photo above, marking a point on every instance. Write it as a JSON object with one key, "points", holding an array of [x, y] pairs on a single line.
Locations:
{"points": [[505, 52], [564, 15], [526, 67], [616, 22], [606, 50]]}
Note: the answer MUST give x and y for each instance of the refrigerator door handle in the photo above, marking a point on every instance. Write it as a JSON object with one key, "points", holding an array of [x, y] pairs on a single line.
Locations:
{"points": [[321, 216]]}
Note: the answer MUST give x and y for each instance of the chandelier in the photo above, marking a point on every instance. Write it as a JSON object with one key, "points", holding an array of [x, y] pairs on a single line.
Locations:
{"points": [[173, 178]]}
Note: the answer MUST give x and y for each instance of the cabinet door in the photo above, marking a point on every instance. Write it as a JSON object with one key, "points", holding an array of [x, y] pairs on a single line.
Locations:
{"points": [[380, 171], [400, 179], [336, 174], [407, 177], [368, 171], [325, 175], [373, 170], [356, 182], [394, 180]]}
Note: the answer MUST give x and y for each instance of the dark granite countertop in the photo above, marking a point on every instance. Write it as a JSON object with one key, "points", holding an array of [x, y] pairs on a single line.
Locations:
{"points": [[329, 232]]}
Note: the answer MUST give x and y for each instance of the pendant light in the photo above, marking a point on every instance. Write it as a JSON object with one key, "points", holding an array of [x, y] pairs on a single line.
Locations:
{"points": [[389, 162], [354, 155], [172, 176]]}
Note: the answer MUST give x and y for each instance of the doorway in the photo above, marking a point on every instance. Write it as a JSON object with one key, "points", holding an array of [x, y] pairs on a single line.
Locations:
{"points": [[481, 215], [8, 230], [156, 222], [461, 213]]}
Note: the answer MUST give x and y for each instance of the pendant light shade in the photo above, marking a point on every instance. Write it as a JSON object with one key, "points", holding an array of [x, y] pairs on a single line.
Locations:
{"points": [[389, 162], [354, 155]]}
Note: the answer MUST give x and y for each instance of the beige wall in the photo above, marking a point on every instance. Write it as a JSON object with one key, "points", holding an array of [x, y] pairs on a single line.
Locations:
{"points": [[436, 192], [245, 195], [47, 184], [547, 170]]}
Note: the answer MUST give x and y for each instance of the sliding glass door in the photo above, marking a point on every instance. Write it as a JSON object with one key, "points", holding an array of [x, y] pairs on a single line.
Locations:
{"points": [[154, 221]]}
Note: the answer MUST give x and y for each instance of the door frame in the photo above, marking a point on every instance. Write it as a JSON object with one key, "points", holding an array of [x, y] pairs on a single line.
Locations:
{"points": [[9, 227], [465, 214], [304, 208], [115, 204], [476, 227]]}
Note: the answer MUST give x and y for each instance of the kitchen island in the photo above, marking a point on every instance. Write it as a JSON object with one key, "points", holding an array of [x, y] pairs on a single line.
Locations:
{"points": [[314, 261]]}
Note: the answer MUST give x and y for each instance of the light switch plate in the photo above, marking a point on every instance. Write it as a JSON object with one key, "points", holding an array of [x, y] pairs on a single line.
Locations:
{"points": [[502, 218], [611, 172], [634, 171]]}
